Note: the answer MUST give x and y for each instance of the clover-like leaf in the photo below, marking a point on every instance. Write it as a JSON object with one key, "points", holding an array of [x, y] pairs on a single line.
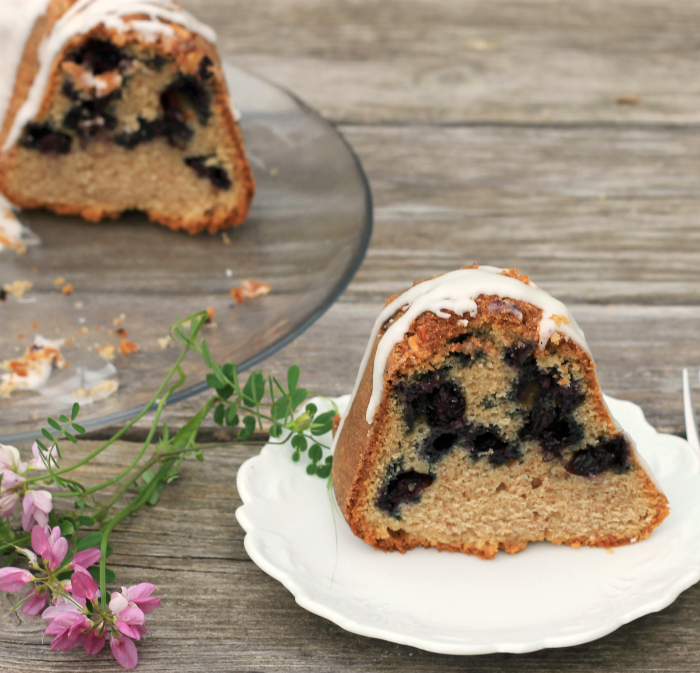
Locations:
{"points": [[247, 429], [299, 442], [219, 414], [293, 377]]}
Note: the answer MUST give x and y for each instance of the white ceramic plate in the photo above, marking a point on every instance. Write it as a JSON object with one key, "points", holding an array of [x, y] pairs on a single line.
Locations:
{"points": [[546, 596]]}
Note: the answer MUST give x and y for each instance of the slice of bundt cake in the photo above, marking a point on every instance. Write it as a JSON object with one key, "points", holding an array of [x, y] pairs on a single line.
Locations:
{"points": [[477, 424], [122, 104]]}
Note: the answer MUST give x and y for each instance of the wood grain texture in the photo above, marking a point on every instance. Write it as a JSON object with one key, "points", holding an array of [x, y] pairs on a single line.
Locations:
{"points": [[473, 61], [491, 132]]}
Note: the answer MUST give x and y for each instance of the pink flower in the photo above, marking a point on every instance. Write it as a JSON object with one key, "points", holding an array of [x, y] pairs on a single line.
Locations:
{"points": [[137, 596], [36, 505], [9, 458], [37, 463], [124, 651], [94, 641], [129, 621], [83, 585], [14, 579], [8, 503], [34, 605], [49, 544], [10, 480], [64, 604], [85, 558], [70, 629]]}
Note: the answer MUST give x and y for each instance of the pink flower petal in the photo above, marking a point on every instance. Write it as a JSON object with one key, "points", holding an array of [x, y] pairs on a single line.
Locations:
{"points": [[14, 579], [94, 642], [40, 541], [148, 604], [128, 630], [43, 500], [53, 533], [141, 590], [60, 549], [124, 651], [132, 615], [82, 584], [8, 504], [86, 558], [118, 603], [34, 605]]}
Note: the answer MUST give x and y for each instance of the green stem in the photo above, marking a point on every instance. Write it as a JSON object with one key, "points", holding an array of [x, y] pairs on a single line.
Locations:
{"points": [[135, 420]]}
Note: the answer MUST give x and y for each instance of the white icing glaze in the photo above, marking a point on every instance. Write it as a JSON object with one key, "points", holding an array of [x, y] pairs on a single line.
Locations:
{"points": [[85, 15], [457, 292]]}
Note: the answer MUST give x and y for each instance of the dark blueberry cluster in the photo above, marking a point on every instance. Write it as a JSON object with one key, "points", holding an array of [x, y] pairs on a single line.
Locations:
{"points": [[88, 117], [607, 454], [215, 174], [186, 91], [441, 403], [98, 56], [549, 405], [479, 440], [45, 139], [436, 398], [404, 487]]}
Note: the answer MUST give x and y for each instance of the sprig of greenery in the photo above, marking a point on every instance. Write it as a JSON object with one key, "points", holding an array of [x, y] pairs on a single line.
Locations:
{"points": [[262, 402]]}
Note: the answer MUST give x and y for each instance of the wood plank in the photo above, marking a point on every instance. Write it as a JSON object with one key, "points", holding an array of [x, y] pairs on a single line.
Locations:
{"points": [[471, 61], [639, 351], [221, 613], [592, 214]]}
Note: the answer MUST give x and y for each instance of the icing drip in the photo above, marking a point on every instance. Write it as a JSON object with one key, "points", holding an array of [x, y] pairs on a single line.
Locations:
{"points": [[85, 15], [457, 292]]}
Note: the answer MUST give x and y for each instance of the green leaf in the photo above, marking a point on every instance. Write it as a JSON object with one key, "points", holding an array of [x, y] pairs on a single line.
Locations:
{"points": [[219, 414], [298, 397], [206, 354], [47, 434], [247, 392], [275, 430], [66, 527], [41, 445], [74, 411], [86, 520], [110, 575], [281, 408], [63, 418], [323, 423], [247, 429], [230, 372], [323, 471], [299, 442], [232, 417], [212, 381], [147, 476], [310, 469], [295, 456], [78, 428], [315, 453], [90, 541], [225, 392], [153, 500], [293, 377], [311, 409], [199, 456], [54, 424], [329, 460], [71, 437]]}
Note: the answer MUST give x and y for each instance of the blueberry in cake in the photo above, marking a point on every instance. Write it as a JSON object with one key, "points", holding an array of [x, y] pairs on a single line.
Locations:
{"points": [[477, 424], [122, 104]]}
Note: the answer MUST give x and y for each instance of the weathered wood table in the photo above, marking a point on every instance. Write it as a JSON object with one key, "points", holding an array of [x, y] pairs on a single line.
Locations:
{"points": [[557, 137]]}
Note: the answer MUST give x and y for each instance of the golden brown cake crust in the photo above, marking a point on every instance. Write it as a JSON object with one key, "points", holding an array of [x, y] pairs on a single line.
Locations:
{"points": [[358, 444], [187, 49]]}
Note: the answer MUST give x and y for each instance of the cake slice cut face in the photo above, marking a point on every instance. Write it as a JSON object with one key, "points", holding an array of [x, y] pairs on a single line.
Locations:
{"points": [[477, 424], [119, 105]]}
